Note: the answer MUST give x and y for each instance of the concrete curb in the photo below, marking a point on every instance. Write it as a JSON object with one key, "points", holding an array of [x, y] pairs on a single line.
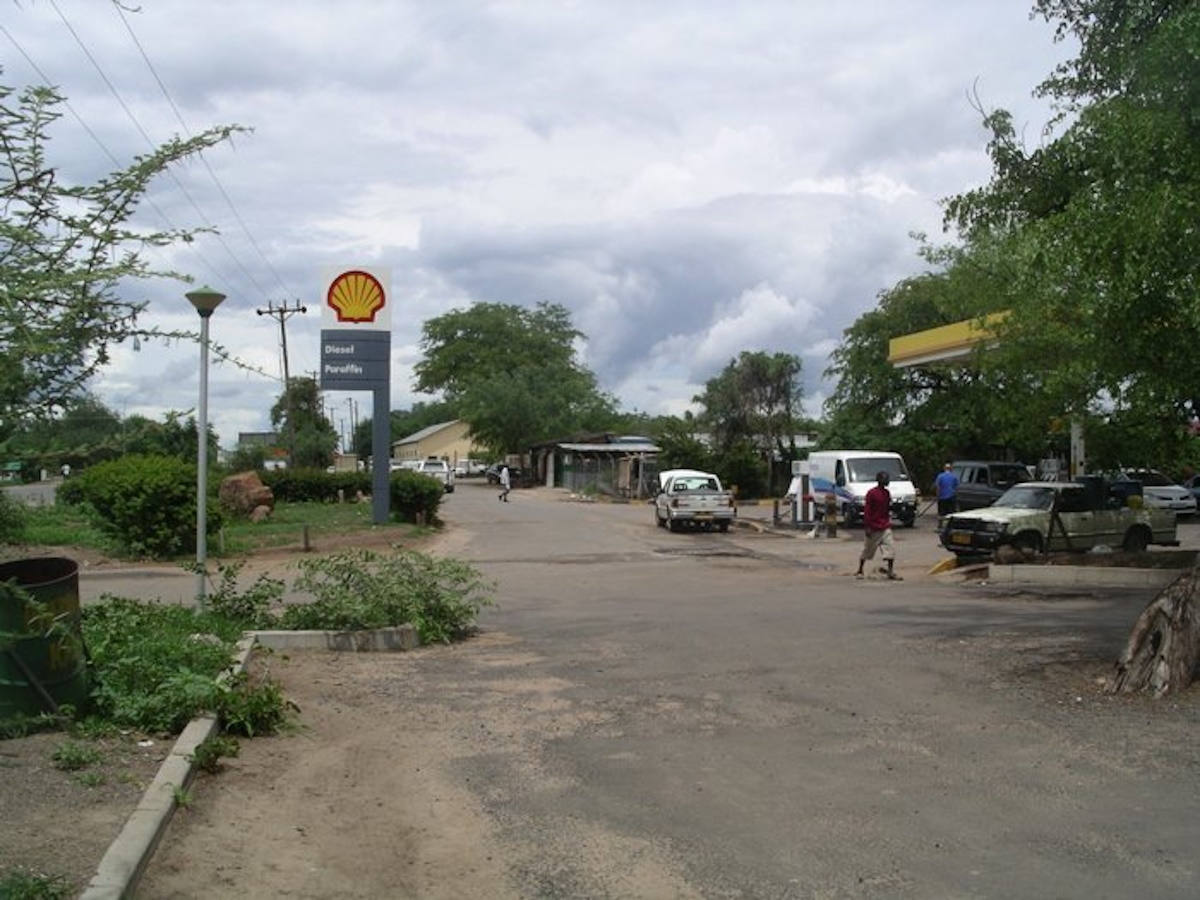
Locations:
{"points": [[1081, 576], [125, 861]]}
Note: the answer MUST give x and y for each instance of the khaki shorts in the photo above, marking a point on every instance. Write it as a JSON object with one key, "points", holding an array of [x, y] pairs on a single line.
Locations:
{"points": [[878, 541]]}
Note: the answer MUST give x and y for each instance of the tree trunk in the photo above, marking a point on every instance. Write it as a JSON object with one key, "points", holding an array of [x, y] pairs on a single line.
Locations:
{"points": [[1164, 648]]}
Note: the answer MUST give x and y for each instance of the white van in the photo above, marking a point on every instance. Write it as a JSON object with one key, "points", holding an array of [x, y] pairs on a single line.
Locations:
{"points": [[847, 475]]}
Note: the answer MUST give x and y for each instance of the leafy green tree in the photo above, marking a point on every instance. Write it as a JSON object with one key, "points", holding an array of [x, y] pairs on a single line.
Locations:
{"points": [[247, 459], [680, 445], [753, 406], [81, 432], [299, 416], [935, 412], [173, 436], [65, 250], [1100, 221], [512, 374]]}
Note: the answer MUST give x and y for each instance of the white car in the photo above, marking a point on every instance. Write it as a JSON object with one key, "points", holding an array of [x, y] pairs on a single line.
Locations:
{"points": [[1160, 492]]}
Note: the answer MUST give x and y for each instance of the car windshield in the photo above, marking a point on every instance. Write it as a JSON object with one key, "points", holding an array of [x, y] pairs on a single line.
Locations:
{"points": [[867, 468], [1025, 496], [1005, 475]]}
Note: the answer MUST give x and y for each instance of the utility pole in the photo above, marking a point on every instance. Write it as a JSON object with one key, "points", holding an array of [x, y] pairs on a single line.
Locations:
{"points": [[352, 406], [282, 314]]}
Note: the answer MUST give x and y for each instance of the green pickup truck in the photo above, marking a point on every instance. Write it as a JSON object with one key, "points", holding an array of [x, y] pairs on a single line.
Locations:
{"points": [[1042, 516]]}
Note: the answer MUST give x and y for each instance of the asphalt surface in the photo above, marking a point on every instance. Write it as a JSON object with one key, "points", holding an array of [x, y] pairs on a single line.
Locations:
{"points": [[774, 728]]}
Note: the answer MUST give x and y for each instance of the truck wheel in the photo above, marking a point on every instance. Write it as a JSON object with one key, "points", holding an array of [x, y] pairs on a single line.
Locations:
{"points": [[1136, 540], [658, 520], [673, 524], [724, 526], [1028, 544], [908, 520]]}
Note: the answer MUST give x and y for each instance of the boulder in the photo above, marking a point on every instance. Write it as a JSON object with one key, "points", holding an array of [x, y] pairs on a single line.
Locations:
{"points": [[260, 514], [244, 492]]}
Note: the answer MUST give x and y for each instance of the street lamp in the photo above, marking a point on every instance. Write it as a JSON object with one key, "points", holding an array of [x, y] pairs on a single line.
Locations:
{"points": [[205, 300]]}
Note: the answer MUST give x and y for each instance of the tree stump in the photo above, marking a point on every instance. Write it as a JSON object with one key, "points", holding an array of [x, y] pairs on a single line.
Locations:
{"points": [[1164, 648]]}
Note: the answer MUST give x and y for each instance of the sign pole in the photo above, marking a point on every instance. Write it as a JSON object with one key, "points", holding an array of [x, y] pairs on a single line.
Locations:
{"points": [[381, 454]]}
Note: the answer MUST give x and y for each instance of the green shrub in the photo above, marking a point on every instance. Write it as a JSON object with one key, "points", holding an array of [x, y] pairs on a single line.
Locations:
{"points": [[13, 519], [247, 609], [70, 492], [23, 885], [211, 751], [415, 497], [314, 485], [155, 666], [359, 589], [248, 710], [147, 504]]}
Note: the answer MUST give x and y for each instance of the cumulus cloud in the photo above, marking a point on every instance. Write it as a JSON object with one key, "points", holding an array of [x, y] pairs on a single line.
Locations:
{"points": [[689, 181]]}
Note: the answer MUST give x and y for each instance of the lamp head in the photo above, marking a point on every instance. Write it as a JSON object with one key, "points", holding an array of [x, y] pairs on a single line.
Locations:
{"points": [[205, 300]]}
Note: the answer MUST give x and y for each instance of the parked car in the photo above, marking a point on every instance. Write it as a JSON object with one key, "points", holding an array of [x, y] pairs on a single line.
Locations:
{"points": [[689, 498], [1160, 492], [1193, 485], [439, 469], [1039, 516], [981, 482]]}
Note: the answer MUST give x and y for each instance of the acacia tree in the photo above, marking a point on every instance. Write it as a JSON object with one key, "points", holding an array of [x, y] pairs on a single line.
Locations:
{"points": [[65, 250], [512, 373]]}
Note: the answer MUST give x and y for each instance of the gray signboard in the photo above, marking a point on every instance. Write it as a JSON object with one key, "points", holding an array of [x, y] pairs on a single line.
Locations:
{"points": [[354, 359]]}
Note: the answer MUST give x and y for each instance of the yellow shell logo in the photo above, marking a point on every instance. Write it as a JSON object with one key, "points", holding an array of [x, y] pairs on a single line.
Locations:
{"points": [[356, 297]]}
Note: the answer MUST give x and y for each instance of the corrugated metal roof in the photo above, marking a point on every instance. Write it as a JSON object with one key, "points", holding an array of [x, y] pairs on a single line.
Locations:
{"points": [[618, 447]]}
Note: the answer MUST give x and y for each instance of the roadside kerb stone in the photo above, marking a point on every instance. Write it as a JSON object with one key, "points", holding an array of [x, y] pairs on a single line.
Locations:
{"points": [[127, 856], [378, 640], [1082, 576]]}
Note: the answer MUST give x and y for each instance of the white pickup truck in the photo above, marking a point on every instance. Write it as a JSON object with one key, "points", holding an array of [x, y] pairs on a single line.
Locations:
{"points": [[439, 469], [1041, 516], [688, 498]]}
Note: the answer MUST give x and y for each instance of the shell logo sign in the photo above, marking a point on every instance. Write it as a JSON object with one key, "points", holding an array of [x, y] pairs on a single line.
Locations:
{"points": [[356, 298]]}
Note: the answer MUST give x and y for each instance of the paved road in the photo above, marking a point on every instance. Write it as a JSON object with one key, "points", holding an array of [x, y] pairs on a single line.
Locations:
{"points": [[738, 716], [742, 713]]}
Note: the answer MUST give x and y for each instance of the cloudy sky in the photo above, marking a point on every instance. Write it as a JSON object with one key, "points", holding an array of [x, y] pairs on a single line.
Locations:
{"points": [[689, 179]]}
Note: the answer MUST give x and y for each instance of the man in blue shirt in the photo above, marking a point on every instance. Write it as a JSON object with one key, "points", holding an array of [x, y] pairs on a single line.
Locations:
{"points": [[946, 485]]}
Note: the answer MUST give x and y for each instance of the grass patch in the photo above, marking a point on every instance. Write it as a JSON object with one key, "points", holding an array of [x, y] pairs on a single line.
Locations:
{"points": [[63, 526], [285, 527], [69, 526], [72, 756]]}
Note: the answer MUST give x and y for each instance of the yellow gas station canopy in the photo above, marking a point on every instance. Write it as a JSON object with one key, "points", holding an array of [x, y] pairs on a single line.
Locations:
{"points": [[942, 344]]}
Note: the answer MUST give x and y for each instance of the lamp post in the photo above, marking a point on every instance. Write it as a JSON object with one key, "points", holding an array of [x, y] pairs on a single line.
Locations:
{"points": [[205, 300]]}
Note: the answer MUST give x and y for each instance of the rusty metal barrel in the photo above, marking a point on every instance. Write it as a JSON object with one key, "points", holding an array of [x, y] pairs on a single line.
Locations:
{"points": [[43, 664]]}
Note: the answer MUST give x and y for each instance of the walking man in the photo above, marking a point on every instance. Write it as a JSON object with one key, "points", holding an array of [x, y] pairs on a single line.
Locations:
{"points": [[505, 484], [877, 527], [946, 486]]}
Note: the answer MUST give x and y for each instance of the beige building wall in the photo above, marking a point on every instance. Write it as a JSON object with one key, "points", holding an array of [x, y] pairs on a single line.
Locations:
{"points": [[448, 441]]}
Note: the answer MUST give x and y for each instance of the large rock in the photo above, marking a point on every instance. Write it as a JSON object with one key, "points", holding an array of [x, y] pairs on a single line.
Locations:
{"points": [[244, 492]]}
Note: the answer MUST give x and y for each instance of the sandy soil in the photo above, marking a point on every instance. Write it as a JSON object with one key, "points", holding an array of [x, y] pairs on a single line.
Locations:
{"points": [[58, 823]]}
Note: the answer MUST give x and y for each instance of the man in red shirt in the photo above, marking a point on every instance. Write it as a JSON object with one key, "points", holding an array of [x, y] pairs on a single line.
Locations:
{"points": [[877, 527]]}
